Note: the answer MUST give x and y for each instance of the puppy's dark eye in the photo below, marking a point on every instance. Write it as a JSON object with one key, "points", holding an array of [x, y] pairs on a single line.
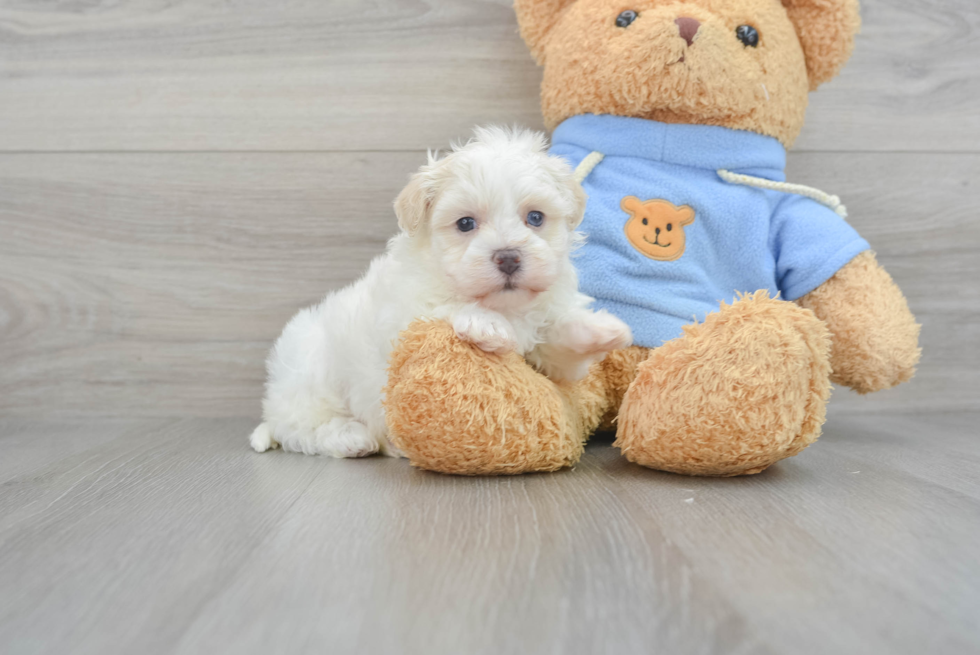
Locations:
{"points": [[670, 226], [466, 224], [646, 222], [625, 18], [535, 219], [748, 35]]}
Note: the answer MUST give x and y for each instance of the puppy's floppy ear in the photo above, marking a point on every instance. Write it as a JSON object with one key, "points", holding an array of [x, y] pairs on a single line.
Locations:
{"points": [[413, 204], [572, 189], [536, 18], [826, 29]]}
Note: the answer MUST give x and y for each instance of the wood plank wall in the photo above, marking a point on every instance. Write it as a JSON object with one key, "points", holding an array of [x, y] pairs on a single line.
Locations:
{"points": [[178, 177]]}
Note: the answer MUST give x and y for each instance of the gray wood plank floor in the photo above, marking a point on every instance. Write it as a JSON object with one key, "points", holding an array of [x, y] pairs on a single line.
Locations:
{"points": [[158, 536]]}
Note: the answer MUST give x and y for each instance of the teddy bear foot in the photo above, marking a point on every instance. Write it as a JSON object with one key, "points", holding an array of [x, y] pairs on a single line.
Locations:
{"points": [[733, 395], [452, 408]]}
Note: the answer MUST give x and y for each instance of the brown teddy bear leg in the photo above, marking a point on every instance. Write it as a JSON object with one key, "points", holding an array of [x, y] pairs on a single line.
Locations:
{"points": [[733, 395], [452, 408]]}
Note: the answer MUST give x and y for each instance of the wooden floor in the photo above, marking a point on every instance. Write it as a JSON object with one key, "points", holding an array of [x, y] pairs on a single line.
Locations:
{"points": [[171, 536], [178, 177]]}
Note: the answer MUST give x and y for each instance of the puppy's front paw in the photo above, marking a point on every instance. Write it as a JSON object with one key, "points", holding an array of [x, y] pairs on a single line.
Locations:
{"points": [[596, 333], [492, 334]]}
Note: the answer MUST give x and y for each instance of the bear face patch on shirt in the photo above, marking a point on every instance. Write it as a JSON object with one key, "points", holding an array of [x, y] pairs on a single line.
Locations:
{"points": [[656, 227]]}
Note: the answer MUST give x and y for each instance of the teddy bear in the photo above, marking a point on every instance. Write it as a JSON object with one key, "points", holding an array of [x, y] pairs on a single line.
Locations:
{"points": [[747, 296]]}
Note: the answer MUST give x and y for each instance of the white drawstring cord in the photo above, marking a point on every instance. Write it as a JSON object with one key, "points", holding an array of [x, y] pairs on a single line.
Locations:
{"points": [[593, 159], [814, 194], [585, 167]]}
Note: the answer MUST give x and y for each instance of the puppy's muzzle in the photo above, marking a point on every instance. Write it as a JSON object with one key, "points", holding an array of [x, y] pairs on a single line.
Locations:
{"points": [[508, 261]]}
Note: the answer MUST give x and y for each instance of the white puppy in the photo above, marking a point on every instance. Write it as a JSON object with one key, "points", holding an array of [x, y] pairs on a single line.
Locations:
{"points": [[485, 243]]}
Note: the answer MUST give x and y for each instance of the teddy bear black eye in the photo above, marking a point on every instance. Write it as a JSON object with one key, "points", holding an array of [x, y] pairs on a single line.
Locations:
{"points": [[670, 226], [748, 35], [466, 224], [535, 219], [645, 221], [625, 18]]}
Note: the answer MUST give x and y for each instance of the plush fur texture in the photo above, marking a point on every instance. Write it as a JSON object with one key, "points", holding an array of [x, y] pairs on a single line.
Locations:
{"points": [[749, 385], [875, 336], [504, 283], [455, 409], [647, 70], [735, 394], [460, 410]]}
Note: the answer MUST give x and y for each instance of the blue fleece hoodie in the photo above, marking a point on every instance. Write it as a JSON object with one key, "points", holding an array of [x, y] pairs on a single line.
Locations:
{"points": [[741, 239]]}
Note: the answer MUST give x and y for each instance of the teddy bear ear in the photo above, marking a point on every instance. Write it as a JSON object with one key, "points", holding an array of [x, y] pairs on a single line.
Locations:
{"points": [[685, 215], [826, 29], [631, 205], [536, 18]]}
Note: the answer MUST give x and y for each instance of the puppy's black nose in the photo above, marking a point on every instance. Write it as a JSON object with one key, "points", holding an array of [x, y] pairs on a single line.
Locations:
{"points": [[508, 261], [688, 28]]}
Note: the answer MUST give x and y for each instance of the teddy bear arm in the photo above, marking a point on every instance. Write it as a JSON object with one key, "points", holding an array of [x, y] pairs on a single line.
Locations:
{"points": [[875, 336]]}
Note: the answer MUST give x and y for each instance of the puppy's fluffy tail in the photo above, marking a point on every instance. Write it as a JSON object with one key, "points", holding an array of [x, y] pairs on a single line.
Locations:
{"points": [[261, 439]]}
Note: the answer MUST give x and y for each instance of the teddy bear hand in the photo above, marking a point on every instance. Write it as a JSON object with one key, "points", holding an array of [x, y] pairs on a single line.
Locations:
{"points": [[875, 336], [733, 395], [453, 408]]}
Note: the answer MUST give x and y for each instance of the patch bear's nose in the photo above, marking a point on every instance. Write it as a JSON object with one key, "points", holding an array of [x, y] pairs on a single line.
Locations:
{"points": [[689, 28], [507, 261]]}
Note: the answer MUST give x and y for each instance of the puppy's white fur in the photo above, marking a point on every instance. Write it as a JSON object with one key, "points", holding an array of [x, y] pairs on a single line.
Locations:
{"points": [[327, 370]]}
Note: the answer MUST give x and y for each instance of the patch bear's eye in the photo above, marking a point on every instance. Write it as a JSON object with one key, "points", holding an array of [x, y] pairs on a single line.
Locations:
{"points": [[646, 222], [748, 35], [535, 219], [625, 18], [466, 224], [670, 226]]}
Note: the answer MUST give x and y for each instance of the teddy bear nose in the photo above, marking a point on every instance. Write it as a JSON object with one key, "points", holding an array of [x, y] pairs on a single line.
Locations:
{"points": [[689, 28], [508, 261]]}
